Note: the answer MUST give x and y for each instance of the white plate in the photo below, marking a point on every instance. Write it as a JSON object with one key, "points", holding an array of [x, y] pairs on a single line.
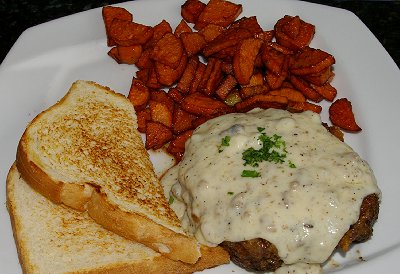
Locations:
{"points": [[47, 58]]}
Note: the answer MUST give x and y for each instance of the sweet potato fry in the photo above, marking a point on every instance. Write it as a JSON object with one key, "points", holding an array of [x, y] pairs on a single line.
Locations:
{"points": [[126, 33], [335, 131], [341, 115], [188, 75], [168, 51], [211, 77], [145, 61], [143, 116], [182, 27], [305, 88], [199, 104], [249, 91], [157, 135], [326, 91], [143, 75], [275, 81], [227, 67], [191, 9], [201, 120], [139, 93], [162, 97], [226, 54], [255, 80], [175, 95], [266, 36], [110, 13], [311, 61], [294, 106], [228, 38], [177, 146], [167, 75], [320, 78], [152, 80], [291, 94], [129, 55], [273, 59], [293, 33], [193, 42], [249, 23], [160, 113], [211, 31], [218, 12], [182, 120], [227, 84], [262, 101], [244, 58], [113, 53], [159, 31], [201, 68]]}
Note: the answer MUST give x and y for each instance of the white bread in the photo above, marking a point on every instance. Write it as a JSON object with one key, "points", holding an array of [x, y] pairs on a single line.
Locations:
{"points": [[85, 152], [55, 239]]}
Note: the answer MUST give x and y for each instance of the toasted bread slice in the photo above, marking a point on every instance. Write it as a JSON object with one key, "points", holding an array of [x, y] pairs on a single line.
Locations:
{"points": [[53, 238], [85, 152]]}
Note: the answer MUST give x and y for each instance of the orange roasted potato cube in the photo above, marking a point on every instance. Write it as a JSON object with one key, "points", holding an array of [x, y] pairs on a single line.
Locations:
{"points": [[294, 106], [188, 75], [157, 135], [160, 113], [182, 120], [211, 31], [305, 88], [177, 146], [218, 12], [191, 10], [293, 33], [110, 13], [262, 101], [129, 55], [182, 27], [139, 93], [311, 61], [167, 75], [193, 42], [341, 115], [126, 33], [143, 116], [199, 104], [226, 86], [168, 51], [291, 94], [244, 59]]}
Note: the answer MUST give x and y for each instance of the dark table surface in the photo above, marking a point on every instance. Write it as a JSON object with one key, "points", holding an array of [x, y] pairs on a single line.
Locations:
{"points": [[381, 17]]}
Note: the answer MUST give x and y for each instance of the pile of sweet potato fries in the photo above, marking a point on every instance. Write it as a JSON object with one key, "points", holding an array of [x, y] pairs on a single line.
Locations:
{"points": [[213, 63]]}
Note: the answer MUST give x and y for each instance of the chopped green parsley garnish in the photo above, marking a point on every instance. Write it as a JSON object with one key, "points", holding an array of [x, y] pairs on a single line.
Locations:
{"points": [[171, 199], [291, 164], [260, 129], [230, 193], [273, 150], [267, 152], [224, 143], [250, 173]]}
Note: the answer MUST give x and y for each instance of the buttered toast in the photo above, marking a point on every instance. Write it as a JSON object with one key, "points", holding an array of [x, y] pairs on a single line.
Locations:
{"points": [[55, 239], [85, 152]]}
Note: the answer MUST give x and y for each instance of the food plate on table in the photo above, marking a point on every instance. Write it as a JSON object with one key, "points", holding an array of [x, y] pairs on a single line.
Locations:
{"points": [[47, 58]]}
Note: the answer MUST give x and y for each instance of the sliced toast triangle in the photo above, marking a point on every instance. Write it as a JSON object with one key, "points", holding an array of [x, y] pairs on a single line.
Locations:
{"points": [[55, 239], [85, 152]]}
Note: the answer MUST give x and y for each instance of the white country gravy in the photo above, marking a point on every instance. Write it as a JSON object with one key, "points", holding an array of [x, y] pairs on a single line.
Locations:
{"points": [[303, 205]]}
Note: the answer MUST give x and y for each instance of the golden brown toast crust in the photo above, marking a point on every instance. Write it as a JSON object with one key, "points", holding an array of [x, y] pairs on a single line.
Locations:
{"points": [[131, 187], [152, 263]]}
